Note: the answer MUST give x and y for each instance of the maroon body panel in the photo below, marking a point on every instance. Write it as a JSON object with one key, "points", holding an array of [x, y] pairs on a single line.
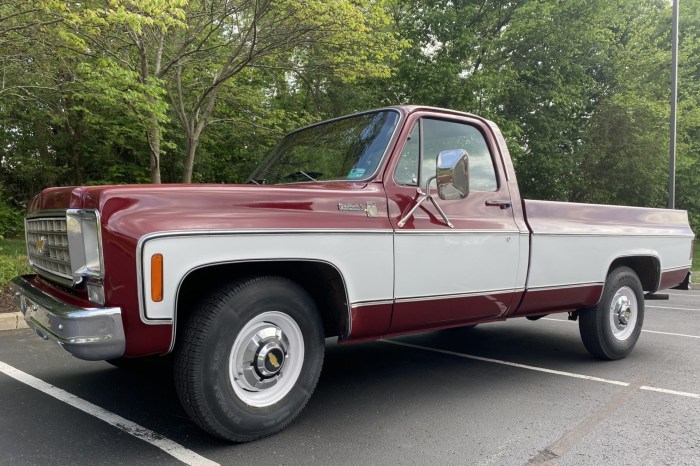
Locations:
{"points": [[671, 278], [538, 302], [548, 217], [441, 312], [370, 322]]}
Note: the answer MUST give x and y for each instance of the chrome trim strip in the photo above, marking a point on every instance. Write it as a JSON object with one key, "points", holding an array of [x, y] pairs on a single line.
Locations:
{"points": [[382, 302], [563, 287], [92, 334], [52, 276], [457, 295], [47, 213], [459, 232], [271, 232], [616, 235]]}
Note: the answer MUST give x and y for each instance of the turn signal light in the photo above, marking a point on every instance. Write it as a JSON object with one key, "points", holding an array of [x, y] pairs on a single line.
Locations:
{"points": [[157, 278]]}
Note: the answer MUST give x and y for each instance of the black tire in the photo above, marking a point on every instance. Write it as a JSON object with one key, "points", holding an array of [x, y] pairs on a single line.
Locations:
{"points": [[603, 330], [211, 339]]}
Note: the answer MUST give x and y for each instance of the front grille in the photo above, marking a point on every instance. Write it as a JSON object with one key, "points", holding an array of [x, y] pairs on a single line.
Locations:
{"points": [[47, 246]]}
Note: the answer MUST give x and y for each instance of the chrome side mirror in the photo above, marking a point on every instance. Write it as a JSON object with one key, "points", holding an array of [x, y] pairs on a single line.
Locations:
{"points": [[452, 174]]}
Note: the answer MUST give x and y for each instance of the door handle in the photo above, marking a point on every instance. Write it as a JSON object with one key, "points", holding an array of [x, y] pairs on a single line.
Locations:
{"points": [[502, 204]]}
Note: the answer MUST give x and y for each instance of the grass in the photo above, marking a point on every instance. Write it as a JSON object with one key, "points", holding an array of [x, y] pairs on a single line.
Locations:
{"points": [[696, 257], [13, 259]]}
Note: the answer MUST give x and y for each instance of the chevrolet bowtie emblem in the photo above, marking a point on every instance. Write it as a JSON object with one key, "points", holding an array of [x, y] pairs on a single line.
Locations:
{"points": [[40, 246], [273, 360]]}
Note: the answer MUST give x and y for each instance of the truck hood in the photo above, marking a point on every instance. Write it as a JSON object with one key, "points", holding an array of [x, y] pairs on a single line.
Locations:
{"points": [[135, 210]]}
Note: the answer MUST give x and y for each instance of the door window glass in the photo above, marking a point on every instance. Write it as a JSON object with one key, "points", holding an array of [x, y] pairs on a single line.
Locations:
{"points": [[440, 135]]}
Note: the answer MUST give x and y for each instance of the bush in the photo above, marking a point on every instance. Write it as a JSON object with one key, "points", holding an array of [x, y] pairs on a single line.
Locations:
{"points": [[11, 222], [13, 260]]}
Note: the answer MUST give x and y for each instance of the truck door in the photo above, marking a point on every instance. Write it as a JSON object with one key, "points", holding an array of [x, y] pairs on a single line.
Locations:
{"points": [[446, 276]]}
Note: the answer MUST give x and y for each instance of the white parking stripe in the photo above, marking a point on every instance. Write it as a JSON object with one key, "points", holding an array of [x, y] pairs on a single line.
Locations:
{"points": [[673, 308], [507, 363], [168, 446], [670, 392], [672, 334], [542, 369], [646, 331]]}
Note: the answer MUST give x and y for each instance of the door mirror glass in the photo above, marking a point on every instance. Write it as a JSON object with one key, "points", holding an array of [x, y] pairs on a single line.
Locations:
{"points": [[453, 174]]}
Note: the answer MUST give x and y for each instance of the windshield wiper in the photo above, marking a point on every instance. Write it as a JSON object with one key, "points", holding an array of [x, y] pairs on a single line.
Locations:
{"points": [[308, 176]]}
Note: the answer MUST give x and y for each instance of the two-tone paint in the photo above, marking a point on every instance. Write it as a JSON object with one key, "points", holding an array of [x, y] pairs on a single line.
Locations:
{"points": [[504, 257]]}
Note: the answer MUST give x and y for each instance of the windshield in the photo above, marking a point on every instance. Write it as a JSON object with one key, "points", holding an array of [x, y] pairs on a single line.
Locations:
{"points": [[345, 149]]}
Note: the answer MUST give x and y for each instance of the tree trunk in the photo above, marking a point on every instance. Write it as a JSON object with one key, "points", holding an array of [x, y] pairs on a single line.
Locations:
{"points": [[198, 125], [154, 148], [192, 143]]}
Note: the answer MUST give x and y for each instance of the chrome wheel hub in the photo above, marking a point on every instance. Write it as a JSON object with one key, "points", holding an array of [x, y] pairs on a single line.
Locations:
{"points": [[266, 359], [264, 355], [623, 313]]}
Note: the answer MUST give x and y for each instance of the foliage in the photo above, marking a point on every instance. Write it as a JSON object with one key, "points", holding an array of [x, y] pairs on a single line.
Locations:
{"points": [[11, 222], [13, 260], [127, 91]]}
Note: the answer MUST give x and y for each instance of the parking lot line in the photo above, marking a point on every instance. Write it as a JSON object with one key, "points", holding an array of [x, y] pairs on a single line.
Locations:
{"points": [[685, 335], [646, 331], [671, 334], [168, 446], [673, 308], [670, 392], [508, 363], [542, 369]]}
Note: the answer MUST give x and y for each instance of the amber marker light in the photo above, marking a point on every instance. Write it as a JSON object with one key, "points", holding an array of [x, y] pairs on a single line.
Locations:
{"points": [[157, 277]]}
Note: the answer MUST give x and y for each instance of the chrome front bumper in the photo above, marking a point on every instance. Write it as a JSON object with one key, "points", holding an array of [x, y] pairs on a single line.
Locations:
{"points": [[92, 334]]}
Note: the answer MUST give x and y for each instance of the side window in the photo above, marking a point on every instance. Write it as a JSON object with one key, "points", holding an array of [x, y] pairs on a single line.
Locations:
{"points": [[440, 135]]}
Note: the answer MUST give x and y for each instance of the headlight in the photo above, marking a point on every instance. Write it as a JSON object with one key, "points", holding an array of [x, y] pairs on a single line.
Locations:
{"points": [[85, 244]]}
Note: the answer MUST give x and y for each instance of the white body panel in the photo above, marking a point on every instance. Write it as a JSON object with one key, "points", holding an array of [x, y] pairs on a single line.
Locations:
{"points": [[566, 259], [364, 259], [453, 262]]}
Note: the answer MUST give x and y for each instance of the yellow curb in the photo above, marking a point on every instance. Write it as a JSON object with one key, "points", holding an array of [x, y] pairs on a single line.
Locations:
{"points": [[12, 321]]}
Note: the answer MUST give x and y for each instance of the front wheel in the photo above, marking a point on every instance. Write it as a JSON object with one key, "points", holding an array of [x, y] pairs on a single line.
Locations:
{"points": [[249, 358], [611, 328]]}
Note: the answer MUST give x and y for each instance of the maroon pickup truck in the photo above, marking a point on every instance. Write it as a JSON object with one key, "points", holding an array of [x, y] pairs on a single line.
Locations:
{"points": [[397, 220]]}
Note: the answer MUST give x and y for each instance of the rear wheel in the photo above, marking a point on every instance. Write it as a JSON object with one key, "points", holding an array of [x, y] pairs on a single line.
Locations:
{"points": [[611, 328], [249, 358]]}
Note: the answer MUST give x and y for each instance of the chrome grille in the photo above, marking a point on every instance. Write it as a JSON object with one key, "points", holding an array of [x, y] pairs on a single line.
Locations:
{"points": [[47, 246]]}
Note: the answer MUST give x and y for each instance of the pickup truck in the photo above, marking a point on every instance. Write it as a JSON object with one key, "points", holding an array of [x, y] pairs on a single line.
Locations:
{"points": [[398, 220]]}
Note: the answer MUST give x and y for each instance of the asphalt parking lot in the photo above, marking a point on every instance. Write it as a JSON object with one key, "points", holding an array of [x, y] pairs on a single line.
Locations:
{"points": [[507, 393]]}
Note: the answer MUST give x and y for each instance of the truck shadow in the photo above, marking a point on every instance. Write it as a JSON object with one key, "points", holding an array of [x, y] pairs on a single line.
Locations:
{"points": [[364, 389]]}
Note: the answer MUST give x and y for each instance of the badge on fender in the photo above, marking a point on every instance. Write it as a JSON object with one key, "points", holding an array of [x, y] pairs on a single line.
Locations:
{"points": [[370, 208]]}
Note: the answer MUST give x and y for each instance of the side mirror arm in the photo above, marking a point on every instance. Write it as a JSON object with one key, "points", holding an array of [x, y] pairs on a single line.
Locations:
{"points": [[425, 196]]}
